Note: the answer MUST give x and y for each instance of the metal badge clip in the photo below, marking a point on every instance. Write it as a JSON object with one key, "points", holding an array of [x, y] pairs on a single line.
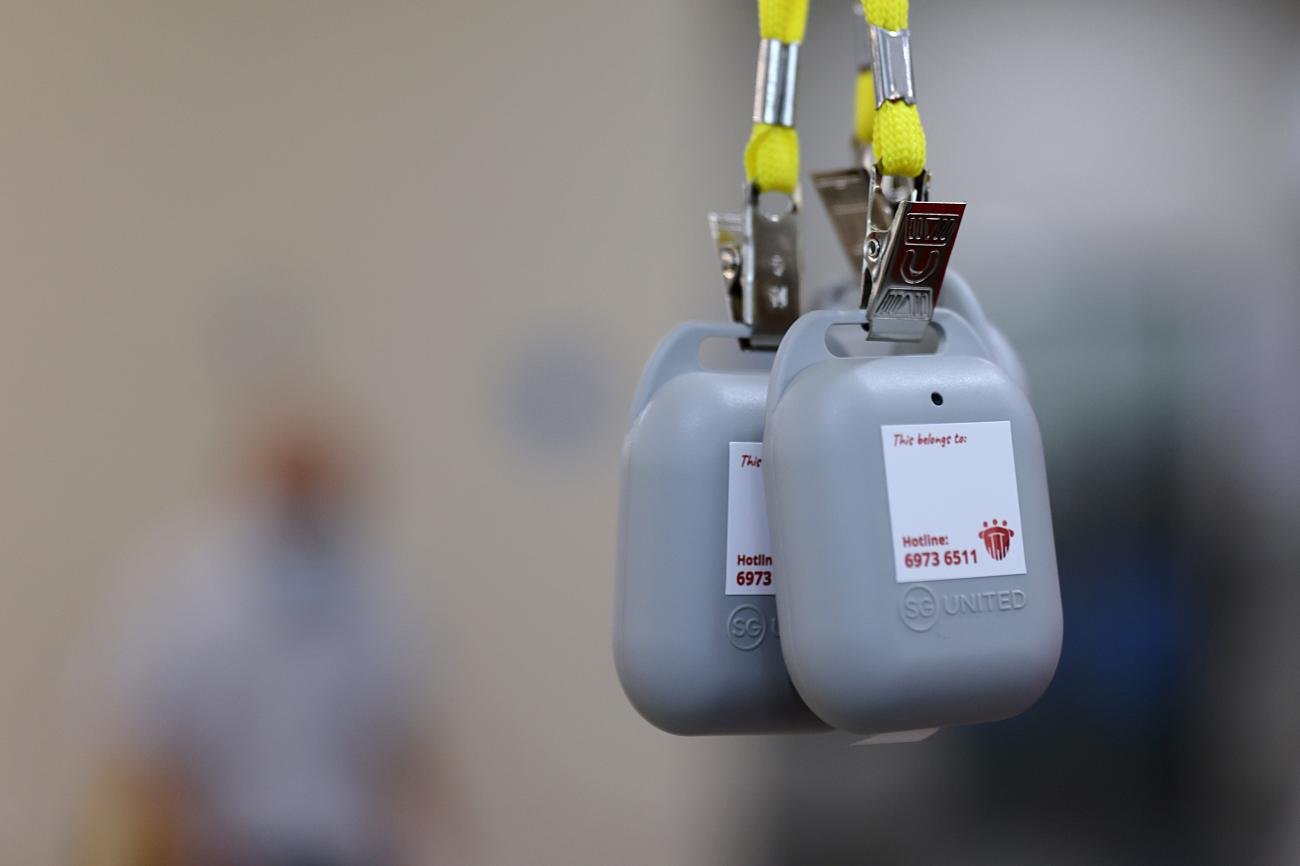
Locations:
{"points": [[909, 242], [759, 254], [898, 240]]}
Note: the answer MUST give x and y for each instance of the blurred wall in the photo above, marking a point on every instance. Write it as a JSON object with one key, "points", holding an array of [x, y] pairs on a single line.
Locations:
{"points": [[481, 218], [485, 215]]}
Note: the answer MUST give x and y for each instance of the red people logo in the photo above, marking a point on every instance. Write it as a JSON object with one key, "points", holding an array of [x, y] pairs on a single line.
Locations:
{"points": [[997, 539]]}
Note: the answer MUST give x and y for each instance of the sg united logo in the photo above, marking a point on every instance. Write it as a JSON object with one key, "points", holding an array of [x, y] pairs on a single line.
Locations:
{"points": [[997, 538], [920, 608], [748, 627]]}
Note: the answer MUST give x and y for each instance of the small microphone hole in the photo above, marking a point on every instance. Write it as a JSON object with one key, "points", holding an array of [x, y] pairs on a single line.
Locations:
{"points": [[936, 398]]}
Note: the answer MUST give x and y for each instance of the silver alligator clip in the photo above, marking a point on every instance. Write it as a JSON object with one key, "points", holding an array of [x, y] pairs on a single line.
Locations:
{"points": [[897, 240], [759, 254], [909, 241]]}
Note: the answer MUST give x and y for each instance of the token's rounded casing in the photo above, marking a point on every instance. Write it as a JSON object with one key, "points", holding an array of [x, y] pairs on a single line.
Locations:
{"points": [[691, 658], [929, 623]]}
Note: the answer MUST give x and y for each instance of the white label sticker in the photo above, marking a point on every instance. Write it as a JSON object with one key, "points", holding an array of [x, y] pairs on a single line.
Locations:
{"points": [[749, 568], [954, 509]]}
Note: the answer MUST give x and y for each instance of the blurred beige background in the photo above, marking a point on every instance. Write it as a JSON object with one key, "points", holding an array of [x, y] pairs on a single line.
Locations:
{"points": [[449, 197], [480, 217]]}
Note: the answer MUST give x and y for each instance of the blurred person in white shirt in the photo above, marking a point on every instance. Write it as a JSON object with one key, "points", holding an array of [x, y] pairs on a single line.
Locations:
{"points": [[270, 715]]}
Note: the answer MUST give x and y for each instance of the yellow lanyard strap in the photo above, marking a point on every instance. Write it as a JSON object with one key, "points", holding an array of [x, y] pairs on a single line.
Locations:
{"points": [[894, 129], [772, 155]]}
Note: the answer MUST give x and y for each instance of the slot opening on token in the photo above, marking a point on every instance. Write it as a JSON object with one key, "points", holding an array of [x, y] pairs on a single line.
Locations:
{"points": [[724, 355]]}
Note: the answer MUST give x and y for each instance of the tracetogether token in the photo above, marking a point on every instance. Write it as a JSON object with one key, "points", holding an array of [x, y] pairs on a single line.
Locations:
{"points": [[836, 541], [696, 637], [912, 526]]}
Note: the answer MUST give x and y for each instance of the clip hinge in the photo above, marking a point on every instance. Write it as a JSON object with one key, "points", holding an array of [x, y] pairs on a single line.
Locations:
{"points": [[728, 230], [759, 254]]}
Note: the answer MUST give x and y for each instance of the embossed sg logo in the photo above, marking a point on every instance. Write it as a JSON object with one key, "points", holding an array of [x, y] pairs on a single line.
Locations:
{"points": [[747, 627]]}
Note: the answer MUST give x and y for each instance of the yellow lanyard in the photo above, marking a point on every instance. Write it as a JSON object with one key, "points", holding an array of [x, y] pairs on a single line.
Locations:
{"points": [[894, 129], [772, 155]]}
